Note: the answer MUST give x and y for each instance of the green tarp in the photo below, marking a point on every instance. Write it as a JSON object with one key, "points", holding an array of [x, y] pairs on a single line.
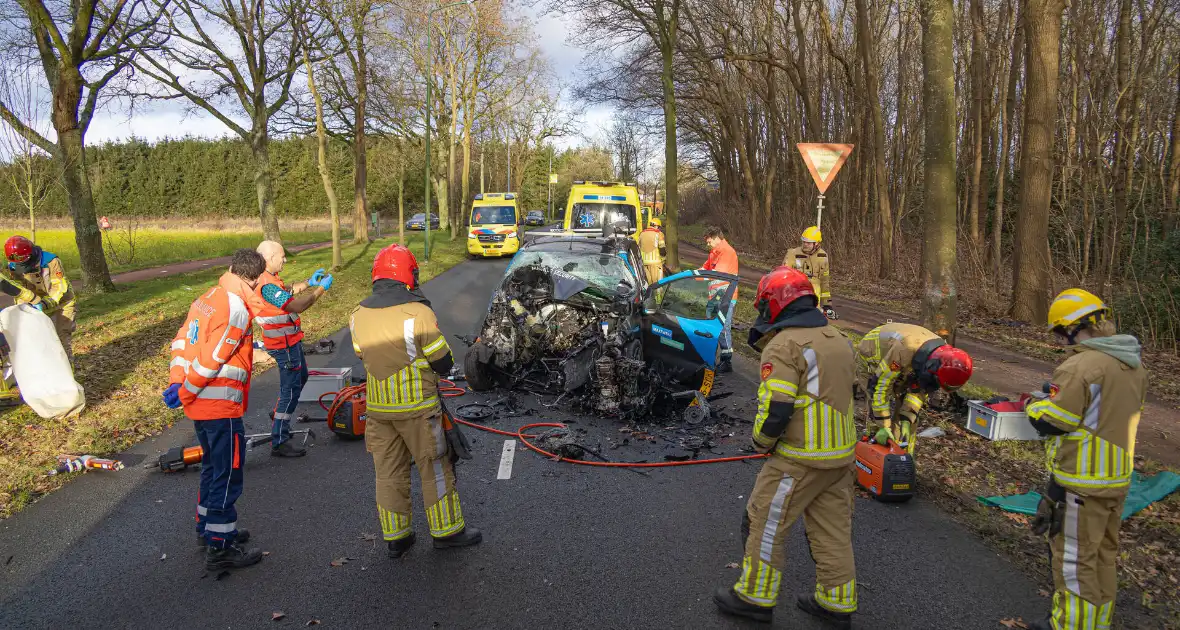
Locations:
{"points": [[1144, 492]]}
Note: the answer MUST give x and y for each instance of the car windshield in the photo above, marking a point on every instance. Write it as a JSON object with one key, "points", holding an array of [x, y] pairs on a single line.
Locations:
{"points": [[589, 216], [601, 271], [418, 217], [535, 214], [493, 215]]}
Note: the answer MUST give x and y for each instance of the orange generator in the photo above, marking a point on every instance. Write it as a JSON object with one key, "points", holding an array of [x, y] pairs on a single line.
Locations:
{"points": [[346, 415], [887, 472]]}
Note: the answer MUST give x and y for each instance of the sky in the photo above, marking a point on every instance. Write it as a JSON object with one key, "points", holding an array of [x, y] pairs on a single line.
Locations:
{"points": [[157, 120]]}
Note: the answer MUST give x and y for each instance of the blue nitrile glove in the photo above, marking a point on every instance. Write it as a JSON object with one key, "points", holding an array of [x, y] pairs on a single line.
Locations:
{"points": [[39, 306], [326, 283], [316, 278], [172, 396]]}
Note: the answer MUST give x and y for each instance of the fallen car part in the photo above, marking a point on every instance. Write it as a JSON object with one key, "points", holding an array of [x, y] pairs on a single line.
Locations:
{"points": [[77, 463], [181, 457], [698, 412], [475, 411]]}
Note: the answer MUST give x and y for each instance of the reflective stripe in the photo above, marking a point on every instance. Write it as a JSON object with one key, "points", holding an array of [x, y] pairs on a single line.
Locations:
{"points": [[773, 517], [283, 416], [440, 480], [881, 393], [202, 510], [1069, 558], [408, 336], [1050, 408], [394, 526], [178, 344], [812, 372], [425, 404], [219, 393], [233, 372], [840, 599], [202, 370], [914, 401], [445, 517], [239, 315], [795, 453], [435, 346], [285, 318], [179, 361], [759, 583], [1091, 420], [221, 528], [279, 332]]}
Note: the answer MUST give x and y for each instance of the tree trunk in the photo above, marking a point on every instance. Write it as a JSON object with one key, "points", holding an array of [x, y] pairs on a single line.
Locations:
{"points": [[465, 187], [1007, 120], [263, 184], [881, 181], [939, 261], [671, 169], [451, 154], [1123, 132], [975, 191], [322, 155], [96, 276], [1174, 162], [30, 190], [401, 195], [360, 158], [1031, 264]]}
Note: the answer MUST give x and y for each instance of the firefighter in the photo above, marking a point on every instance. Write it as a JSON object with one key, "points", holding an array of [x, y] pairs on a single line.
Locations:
{"points": [[36, 277], [1089, 421], [212, 356], [812, 260], [724, 259], [276, 309], [653, 248], [904, 364], [395, 333], [805, 421]]}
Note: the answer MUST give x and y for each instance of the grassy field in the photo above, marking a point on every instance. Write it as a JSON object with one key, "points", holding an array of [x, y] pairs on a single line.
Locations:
{"points": [[156, 247], [121, 355]]}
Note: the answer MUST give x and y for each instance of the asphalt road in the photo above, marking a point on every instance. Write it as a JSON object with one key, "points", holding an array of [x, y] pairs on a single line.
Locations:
{"points": [[564, 546]]}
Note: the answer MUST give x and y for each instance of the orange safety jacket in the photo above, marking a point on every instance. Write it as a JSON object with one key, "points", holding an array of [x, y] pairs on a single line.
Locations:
{"points": [[723, 259], [213, 352], [280, 329]]}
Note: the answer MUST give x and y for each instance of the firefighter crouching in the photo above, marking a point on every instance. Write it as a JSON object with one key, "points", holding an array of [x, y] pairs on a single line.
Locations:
{"points": [[1089, 420], [904, 364], [805, 419], [212, 356], [812, 260], [395, 333], [653, 248], [36, 277]]}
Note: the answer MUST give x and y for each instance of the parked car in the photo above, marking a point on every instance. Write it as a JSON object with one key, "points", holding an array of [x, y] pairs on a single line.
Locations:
{"points": [[575, 316], [535, 217], [418, 222]]}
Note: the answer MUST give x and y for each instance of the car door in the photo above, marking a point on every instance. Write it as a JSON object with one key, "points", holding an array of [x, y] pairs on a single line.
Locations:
{"points": [[684, 315]]}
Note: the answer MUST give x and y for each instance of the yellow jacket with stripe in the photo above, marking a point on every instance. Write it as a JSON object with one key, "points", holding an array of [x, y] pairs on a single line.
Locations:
{"points": [[805, 403], [48, 286], [651, 242], [1094, 406], [400, 346], [889, 351], [815, 267]]}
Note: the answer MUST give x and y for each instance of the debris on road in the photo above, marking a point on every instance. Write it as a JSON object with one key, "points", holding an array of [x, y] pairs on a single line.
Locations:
{"points": [[82, 463], [932, 432], [277, 615]]}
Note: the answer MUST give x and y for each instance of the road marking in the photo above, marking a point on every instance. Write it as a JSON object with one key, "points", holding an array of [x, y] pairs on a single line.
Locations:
{"points": [[506, 460]]}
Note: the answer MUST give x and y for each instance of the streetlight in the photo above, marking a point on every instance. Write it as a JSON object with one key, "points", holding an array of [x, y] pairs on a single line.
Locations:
{"points": [[429, 83]]}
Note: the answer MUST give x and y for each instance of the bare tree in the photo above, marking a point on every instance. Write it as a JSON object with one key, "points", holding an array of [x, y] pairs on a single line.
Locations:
{"points": [[939, 251], [33, 172], [322, 158], [80, 47], [232, 60]]}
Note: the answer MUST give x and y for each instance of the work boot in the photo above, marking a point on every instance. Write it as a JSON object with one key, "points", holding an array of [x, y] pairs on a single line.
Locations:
{"points": [[725, 365], [232, 557], [465, 538], [287, 450], [806, 602], [729, 603], [243, 536], [398, 548]]}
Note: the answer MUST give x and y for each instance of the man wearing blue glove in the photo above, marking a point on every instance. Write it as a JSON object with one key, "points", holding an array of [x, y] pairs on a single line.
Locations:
{"points": [[276, 308]]}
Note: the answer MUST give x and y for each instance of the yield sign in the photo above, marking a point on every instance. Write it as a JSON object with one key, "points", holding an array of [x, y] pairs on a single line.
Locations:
{"points": [[824, 161]]}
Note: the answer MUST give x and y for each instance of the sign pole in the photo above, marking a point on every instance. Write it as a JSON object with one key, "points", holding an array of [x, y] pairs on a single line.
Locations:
{"points": [[823, 161], [819, 211]]}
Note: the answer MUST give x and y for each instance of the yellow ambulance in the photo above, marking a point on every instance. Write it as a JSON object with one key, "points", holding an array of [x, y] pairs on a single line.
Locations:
{"points": [[495, 225], [603, 209]]}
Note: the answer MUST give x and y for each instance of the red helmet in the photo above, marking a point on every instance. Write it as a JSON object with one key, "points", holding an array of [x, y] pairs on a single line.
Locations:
{"points": [[953, 368], [779, 288], [396, 263], [18, 249]]}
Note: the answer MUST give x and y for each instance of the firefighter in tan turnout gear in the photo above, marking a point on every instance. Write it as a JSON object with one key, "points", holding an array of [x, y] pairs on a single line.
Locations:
{"points": [[1089, 421], [812, 260], [653, 248], [395, 333], [805, 420], [904, 364]]}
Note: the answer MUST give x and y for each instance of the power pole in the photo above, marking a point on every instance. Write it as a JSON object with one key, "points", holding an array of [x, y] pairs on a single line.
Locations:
{"points": [[550, 183], [481, 190], [508, 141]]}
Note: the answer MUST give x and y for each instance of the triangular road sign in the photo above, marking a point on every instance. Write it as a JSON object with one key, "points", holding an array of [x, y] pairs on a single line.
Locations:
{"points": [[824, 161]]}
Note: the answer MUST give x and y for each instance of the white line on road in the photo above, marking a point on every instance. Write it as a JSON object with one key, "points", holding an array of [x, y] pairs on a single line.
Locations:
{"points": [[506, 460]]}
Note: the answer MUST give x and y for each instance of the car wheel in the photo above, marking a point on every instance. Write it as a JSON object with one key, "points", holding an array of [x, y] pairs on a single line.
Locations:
{"points": [[479, 374]]}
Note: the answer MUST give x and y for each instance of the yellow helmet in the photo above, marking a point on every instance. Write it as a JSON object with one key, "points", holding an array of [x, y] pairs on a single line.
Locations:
{"points": [[1073, 305], [812, 235], [656, 222]]}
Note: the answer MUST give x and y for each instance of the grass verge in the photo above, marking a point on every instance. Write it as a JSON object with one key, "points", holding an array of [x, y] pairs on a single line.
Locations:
{"points": [[121, 355], [156, 247]]}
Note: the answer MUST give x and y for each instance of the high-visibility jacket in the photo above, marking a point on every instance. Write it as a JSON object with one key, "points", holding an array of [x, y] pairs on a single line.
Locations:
{"points": [[805, 406], [889, 352], [651, 241], [213, 352], [280, 329], [48, 286], [723, 259], [1097, 399], [397, 345], [815, 267]]}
